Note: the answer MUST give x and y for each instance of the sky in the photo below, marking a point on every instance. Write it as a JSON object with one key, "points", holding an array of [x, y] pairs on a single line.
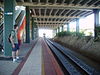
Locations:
{"points": [[48, 33]]}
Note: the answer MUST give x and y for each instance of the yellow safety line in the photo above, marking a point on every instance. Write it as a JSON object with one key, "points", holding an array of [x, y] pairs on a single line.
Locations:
{"points": [[43, 73]]}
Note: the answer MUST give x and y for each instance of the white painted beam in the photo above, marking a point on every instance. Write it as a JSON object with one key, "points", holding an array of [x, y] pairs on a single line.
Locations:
{"points": [[55, 6], [63, 1], [50, 21], [55, 16], [71, 1], [30, 0]]}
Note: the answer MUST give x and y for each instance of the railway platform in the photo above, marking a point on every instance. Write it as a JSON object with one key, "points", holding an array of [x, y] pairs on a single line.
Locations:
{"points": [[35, 60], [39, 58]]}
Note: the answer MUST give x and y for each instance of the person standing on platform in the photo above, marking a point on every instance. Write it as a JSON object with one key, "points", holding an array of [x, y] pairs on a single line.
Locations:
{"points": [[14, 43]]}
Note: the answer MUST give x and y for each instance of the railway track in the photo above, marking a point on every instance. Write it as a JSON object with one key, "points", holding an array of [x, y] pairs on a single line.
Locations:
{"points": [[70, 64]]}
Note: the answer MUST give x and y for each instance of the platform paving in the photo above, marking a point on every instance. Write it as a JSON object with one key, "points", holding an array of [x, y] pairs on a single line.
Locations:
{"points": [[37, 60], [7, 67], [34, 62]]}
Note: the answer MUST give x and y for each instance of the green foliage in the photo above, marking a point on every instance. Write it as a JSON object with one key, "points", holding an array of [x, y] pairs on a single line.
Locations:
{"points": [[97, 38], [80, 34], [97, 31], [65, 33]]}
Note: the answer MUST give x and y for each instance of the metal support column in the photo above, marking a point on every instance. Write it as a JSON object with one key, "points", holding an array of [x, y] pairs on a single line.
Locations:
{"points": [[68, 29], [58, 29], [77, 26], [96, 23], [62, 28], [56, 32], [35, 30], [27, 24], [9, 21], [32, 28]]}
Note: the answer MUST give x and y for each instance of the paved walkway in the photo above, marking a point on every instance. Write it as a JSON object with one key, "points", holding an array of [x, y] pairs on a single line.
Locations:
{"points": [[38, 60], [7, 67], [34, 62]]}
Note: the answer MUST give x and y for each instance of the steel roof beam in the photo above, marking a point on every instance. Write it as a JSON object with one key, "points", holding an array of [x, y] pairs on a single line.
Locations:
{"points": [[63, 1], [71, 1], [34, 12], [50, 12], [22, 0], [55, 1], [40, 14], [55, 16], [61, 6], [95, 3], [56, 13], [50, 21], [51, 24], [61, 12], [38, 1], [79, 2], [45, 13], [71, 13], [30, 0], [47, 27], [47, 1], [87, 2]]}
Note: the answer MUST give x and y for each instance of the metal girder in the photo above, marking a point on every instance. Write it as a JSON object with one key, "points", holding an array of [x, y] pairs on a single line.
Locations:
{"points": [[55, 16], [50, 12], [56, 13], [34, 13], [30, 0], [47, 27], [63, 1], [47, 1], [50, 21], [55, 1], [40, 13], [61, 6], [71, 13], [61, 12], [94, 3], [50, 25], [38, 1], [22, 0], [71, 2], [79, 2], [87, 2]]}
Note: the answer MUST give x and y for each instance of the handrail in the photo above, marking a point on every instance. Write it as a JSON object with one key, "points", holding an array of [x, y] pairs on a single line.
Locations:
{"points": [[17, 12], [20, 18]]}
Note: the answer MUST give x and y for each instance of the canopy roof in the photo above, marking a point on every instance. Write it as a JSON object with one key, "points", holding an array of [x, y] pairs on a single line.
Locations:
{"points": [[54, 13]]}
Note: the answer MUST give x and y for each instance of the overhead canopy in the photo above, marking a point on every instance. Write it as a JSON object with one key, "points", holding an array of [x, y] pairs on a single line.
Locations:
{"points": [[54, 13]]}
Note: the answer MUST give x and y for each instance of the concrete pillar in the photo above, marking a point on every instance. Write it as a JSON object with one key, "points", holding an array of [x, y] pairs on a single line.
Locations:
{"points": [[27, 24], [77, 26], [9, 21], [62, 28], [68, 29], [32, 33], [96, 23], [58, 29], [56, 32], [35, 31]]}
